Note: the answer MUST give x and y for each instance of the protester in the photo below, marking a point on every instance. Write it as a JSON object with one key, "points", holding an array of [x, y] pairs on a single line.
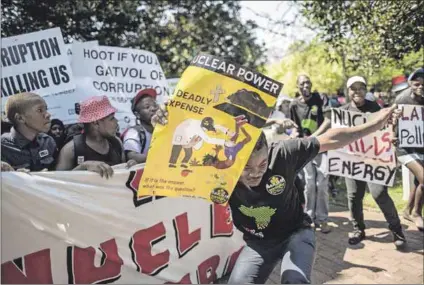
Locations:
{"points": [[399, 84], [266, 205], [279, 126], [282, 107], [57, 132], [333, 101], [341, 97], [307, 112], [413, 158], [357, 88], [379, 99], [27, 146], [5, 126], [72, 130], [136, 140], [97, 149]]}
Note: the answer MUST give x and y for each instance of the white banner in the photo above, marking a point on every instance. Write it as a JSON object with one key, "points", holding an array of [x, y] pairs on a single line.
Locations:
{"points": [[370, 159], [75, 227], [411, 126], [36, 62], [81, 92], [118, 73], [69, 47]]}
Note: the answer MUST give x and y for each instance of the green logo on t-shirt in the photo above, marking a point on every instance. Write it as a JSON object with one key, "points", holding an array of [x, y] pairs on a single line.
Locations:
{"points": [[262, 215], [310, 125]]}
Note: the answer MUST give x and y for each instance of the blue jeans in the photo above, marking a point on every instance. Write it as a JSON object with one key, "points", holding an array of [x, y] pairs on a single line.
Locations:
{"points": [[316, 188], [259, 257]]}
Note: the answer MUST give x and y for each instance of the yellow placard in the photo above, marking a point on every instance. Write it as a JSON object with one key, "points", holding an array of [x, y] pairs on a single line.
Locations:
{"points": [[203, 149]]}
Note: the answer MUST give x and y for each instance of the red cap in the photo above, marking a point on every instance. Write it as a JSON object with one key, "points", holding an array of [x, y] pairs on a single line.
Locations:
{"points": [[399, 79], [144, 92], [399, 83]]}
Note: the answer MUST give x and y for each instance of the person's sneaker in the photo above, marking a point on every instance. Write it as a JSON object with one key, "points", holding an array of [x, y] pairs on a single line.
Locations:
{"points": [[325, 228], [399, 239], [418, 221], [172, 165], [184, 166], [356, 237]]}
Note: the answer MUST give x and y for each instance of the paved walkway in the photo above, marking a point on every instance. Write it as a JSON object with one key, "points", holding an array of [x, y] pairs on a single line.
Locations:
{"points": [[375, 260]]}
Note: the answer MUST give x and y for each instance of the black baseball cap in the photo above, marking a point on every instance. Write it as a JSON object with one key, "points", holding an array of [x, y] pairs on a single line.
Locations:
{"points": [[416, 74]]}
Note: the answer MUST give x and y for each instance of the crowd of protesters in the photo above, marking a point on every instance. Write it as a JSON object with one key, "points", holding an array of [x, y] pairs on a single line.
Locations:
{"points": [[36, 142]]}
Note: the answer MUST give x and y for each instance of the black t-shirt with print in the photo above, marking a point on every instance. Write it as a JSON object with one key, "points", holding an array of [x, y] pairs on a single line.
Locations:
{"points": [[307, 115], [406, 98], [368, 107], [273, 210]]}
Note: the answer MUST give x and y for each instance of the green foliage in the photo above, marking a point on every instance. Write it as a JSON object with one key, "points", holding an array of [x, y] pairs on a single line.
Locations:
{"points": [[371, 31], [324, 66], [174, 30], [311, 59]]}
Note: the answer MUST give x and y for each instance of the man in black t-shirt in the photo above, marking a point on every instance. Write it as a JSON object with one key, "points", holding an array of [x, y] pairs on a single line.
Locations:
{"points": [[98, 148], [357, 89], [413, 158], [267, 208], [307, 111]]}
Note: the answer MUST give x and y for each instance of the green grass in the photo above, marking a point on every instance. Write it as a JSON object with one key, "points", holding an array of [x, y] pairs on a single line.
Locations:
{"points": [[395, 192]]}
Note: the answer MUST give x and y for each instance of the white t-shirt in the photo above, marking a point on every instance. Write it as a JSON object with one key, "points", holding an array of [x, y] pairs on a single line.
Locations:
{"points": [[132, 141]]}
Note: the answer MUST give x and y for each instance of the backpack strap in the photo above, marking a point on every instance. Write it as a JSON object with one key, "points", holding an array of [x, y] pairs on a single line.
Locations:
{"points": [[142, 134], [79, 149]]}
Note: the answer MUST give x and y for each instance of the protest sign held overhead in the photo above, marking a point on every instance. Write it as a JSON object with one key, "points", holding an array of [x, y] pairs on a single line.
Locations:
{"points": [[82, 89], [411, 126], [118, 73], [203, 149], [78, 228], [69, 47], [370, 158], [36, 62]]}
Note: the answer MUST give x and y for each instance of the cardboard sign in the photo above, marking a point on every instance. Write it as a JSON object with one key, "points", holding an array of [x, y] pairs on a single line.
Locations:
{"points": [[411, 126], [370, 158], [78, 228], [36, 62], [203, 149], [118, 73]]}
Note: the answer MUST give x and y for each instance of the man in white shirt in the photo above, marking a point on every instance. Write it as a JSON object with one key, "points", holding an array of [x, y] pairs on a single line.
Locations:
{"points": [[190, 134]]}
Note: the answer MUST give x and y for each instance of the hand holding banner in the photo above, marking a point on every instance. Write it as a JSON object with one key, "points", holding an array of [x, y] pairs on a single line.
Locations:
{"points": [[370, 159], [74, 227], [411, 126]]}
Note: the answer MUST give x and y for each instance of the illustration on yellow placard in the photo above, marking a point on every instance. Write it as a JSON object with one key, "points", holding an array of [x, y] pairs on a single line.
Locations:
{"points": [[215, 116], [231, 148]]}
